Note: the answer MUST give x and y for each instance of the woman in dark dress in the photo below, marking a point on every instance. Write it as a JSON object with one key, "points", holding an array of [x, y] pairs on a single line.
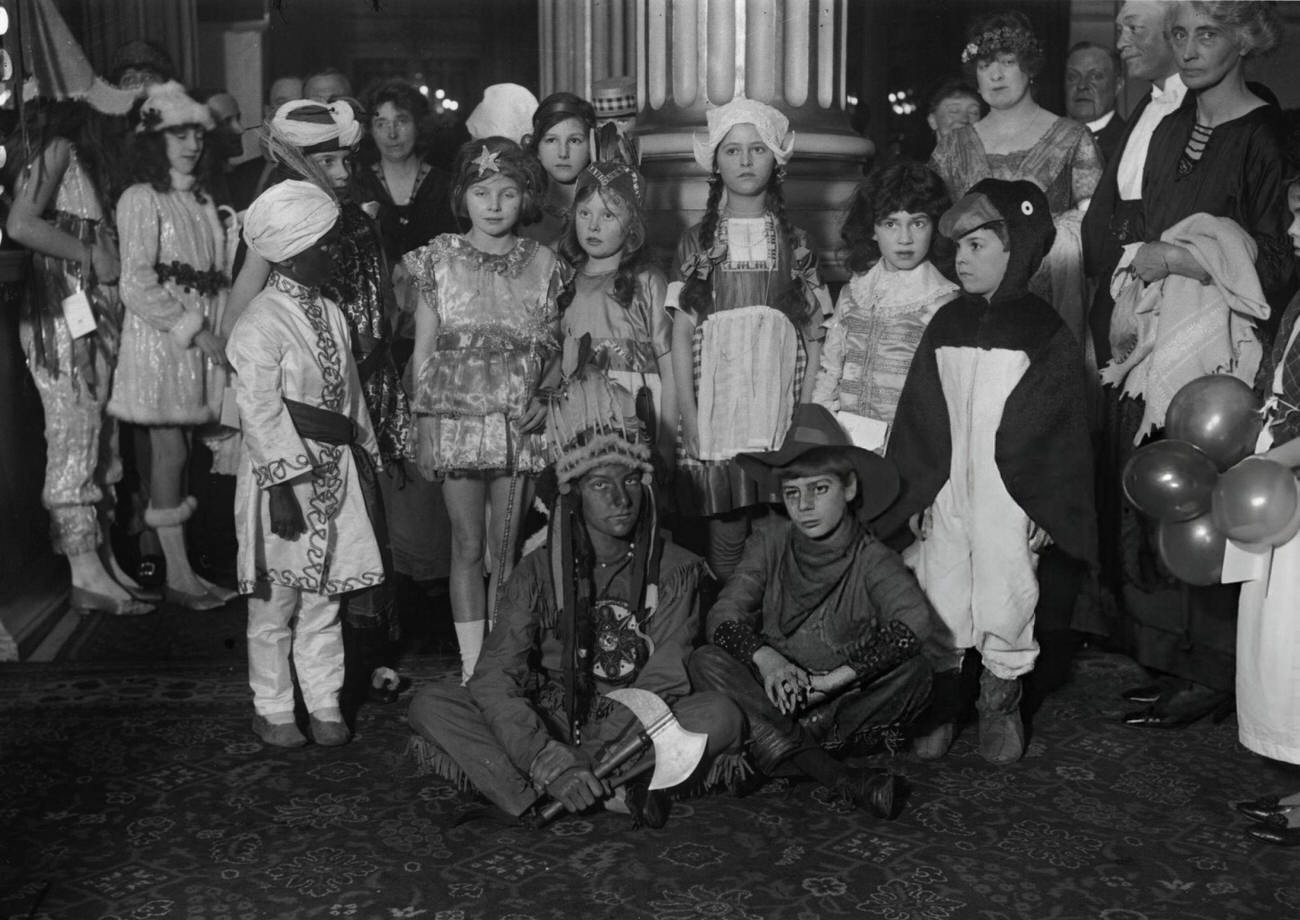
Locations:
{"points": [[413, 194], [1219, 154]]}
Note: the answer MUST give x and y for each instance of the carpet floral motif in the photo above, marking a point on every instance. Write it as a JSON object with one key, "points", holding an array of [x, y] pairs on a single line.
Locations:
{"points": [[133, 795]]}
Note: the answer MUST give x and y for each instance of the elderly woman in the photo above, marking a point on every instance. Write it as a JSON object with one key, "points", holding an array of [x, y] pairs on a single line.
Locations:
{"points": [[1019, 139], [1214, 201]]}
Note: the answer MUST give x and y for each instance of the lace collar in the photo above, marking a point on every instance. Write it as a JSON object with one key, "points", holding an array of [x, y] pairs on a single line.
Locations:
{"points": [[897, 291]]}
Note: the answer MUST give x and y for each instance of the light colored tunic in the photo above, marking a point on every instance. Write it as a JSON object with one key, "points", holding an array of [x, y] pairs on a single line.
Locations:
{"points": [[174, 284], [1268, 634], [292, 343], [873, 335], [497, 320]]}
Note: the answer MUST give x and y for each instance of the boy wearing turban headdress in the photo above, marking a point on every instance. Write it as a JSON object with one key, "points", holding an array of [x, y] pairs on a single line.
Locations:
{"points": [[306, 484]]}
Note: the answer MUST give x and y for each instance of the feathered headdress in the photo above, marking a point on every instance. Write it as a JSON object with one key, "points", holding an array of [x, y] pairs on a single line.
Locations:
{"points": [[593, 421]]}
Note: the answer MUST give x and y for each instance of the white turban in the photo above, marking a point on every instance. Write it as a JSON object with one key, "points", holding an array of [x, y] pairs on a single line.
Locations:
{"points": [[772, 127], [506, 111], [315, 127], [288, 218]]}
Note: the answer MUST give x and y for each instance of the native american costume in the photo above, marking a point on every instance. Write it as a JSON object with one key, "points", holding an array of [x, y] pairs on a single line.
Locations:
{"points": [[588, 627]]}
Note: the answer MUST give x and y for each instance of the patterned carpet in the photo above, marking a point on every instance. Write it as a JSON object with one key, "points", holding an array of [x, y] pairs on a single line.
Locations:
{"points": [[134, 794]]}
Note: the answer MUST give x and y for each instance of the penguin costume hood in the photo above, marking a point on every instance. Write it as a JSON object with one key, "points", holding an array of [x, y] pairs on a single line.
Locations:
{"points": [[1016, 343], [1022, 209]]}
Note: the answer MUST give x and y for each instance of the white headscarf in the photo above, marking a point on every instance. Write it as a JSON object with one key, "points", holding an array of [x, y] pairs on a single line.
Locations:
{"points": [[506, 111], [288, 218], [772, 127], [307, 124]]}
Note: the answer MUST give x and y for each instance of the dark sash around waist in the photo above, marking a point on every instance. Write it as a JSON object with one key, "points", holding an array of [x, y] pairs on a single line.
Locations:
{"points": [[322, 425]]}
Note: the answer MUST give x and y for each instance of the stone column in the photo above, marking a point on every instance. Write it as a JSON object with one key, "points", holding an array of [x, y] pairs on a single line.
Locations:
{"points": [[692, 54], [790, 54], [583, 41]]}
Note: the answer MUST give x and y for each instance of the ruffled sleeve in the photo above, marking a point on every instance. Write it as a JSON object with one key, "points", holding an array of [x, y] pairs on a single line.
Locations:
{"points": [[139, 227], [422, 265]]}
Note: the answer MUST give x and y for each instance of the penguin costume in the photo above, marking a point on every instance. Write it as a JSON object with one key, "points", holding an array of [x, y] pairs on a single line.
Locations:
{"points": [[992, 445]]}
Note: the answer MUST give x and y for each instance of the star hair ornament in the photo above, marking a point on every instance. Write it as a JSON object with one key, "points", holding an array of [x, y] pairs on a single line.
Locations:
{"points": [[486, 162]]}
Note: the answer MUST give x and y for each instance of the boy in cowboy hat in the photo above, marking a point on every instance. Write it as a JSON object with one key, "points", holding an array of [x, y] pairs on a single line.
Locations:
{"points": [[817, 634]]}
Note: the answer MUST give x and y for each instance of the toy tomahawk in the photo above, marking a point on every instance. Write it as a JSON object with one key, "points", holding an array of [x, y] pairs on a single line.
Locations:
{"points": [[677, 752]]}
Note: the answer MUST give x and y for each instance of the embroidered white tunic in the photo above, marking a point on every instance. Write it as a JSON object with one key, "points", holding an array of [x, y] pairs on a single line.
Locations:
{"points": [[293, 343]]}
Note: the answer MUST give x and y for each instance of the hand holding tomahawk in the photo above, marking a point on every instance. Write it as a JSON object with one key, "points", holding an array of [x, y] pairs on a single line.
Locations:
{"points": [[677, 754]]}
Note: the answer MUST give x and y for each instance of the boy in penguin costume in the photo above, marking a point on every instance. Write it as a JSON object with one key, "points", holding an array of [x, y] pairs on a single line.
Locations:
{"points": [[992, 445]]}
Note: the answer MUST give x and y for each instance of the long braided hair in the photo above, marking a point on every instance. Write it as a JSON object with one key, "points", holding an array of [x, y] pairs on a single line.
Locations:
{"points": [[697, 293]]}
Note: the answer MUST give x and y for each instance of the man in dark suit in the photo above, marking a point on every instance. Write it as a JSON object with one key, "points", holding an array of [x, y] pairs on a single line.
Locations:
{"points": [[248, 179], [1094, 79]]}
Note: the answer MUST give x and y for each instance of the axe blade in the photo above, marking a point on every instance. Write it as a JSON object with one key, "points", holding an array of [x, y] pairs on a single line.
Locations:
{"points": [[677, 751]]}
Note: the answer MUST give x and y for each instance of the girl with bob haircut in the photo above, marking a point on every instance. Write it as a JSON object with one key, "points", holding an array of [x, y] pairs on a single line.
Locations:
{"points": [[486, 326]]}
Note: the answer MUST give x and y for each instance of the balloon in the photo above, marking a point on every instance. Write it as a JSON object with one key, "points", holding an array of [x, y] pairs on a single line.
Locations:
{"points": [[1219, 414], [1192, 550], [1282, 535], [1255, 500], [1170, 480]]}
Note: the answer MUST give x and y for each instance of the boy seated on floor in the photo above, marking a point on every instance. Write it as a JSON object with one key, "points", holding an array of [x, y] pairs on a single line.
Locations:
{"points": [[817, 635], [533, 721]]}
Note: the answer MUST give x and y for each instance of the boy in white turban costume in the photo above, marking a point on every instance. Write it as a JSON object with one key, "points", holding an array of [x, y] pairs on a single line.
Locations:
{"points": [[307, 478]]}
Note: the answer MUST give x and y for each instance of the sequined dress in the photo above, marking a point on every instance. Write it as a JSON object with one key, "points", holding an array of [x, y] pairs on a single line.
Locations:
{"points": [[174, 284], [361, 288], [497, 322]]}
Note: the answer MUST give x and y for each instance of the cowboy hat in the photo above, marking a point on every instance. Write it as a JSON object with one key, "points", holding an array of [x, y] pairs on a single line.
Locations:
{"points": [[814, 427]]}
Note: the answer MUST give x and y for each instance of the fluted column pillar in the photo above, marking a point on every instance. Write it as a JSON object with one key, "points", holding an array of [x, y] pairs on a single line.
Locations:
{"points": [[695, 54], [583, 41]]}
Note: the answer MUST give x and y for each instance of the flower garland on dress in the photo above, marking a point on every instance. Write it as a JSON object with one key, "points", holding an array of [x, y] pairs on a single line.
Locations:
{"points": [[206, 283], [1004, 40]]}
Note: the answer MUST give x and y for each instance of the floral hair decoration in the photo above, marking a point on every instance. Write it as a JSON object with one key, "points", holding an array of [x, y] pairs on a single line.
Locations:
{"points": [[1003, 40]]}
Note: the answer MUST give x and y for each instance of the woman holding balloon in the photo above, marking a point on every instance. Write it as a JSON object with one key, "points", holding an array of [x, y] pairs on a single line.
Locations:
{"points": [[1212, 186]]}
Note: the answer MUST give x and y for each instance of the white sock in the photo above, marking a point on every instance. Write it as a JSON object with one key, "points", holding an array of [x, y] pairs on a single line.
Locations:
{"points": [[469, 636]]}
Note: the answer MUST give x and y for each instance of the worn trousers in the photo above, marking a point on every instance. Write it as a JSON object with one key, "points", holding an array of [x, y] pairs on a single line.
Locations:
{"points": [[284, 622], [893, 698], [447, 716]]}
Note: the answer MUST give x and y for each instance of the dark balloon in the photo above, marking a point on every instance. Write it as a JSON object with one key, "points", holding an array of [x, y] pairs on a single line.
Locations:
{"points": [[1192, 550], [1170, 480], [1219, 414], [1255, 501]]}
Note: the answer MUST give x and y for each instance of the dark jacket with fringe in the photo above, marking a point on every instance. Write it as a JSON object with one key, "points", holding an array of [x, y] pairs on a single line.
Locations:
{"points": [[516, 682]]}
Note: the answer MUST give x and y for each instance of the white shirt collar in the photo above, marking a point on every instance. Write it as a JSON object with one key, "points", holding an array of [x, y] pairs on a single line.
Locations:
{"points": [[1103, 121], [1175, 88]]}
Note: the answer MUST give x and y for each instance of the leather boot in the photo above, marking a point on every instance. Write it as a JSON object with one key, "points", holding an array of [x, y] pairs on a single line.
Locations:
{"points": [[1002, 733]]}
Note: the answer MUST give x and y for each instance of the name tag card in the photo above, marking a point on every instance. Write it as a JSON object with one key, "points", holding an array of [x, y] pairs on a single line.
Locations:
{"points": [[79, 316]]}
